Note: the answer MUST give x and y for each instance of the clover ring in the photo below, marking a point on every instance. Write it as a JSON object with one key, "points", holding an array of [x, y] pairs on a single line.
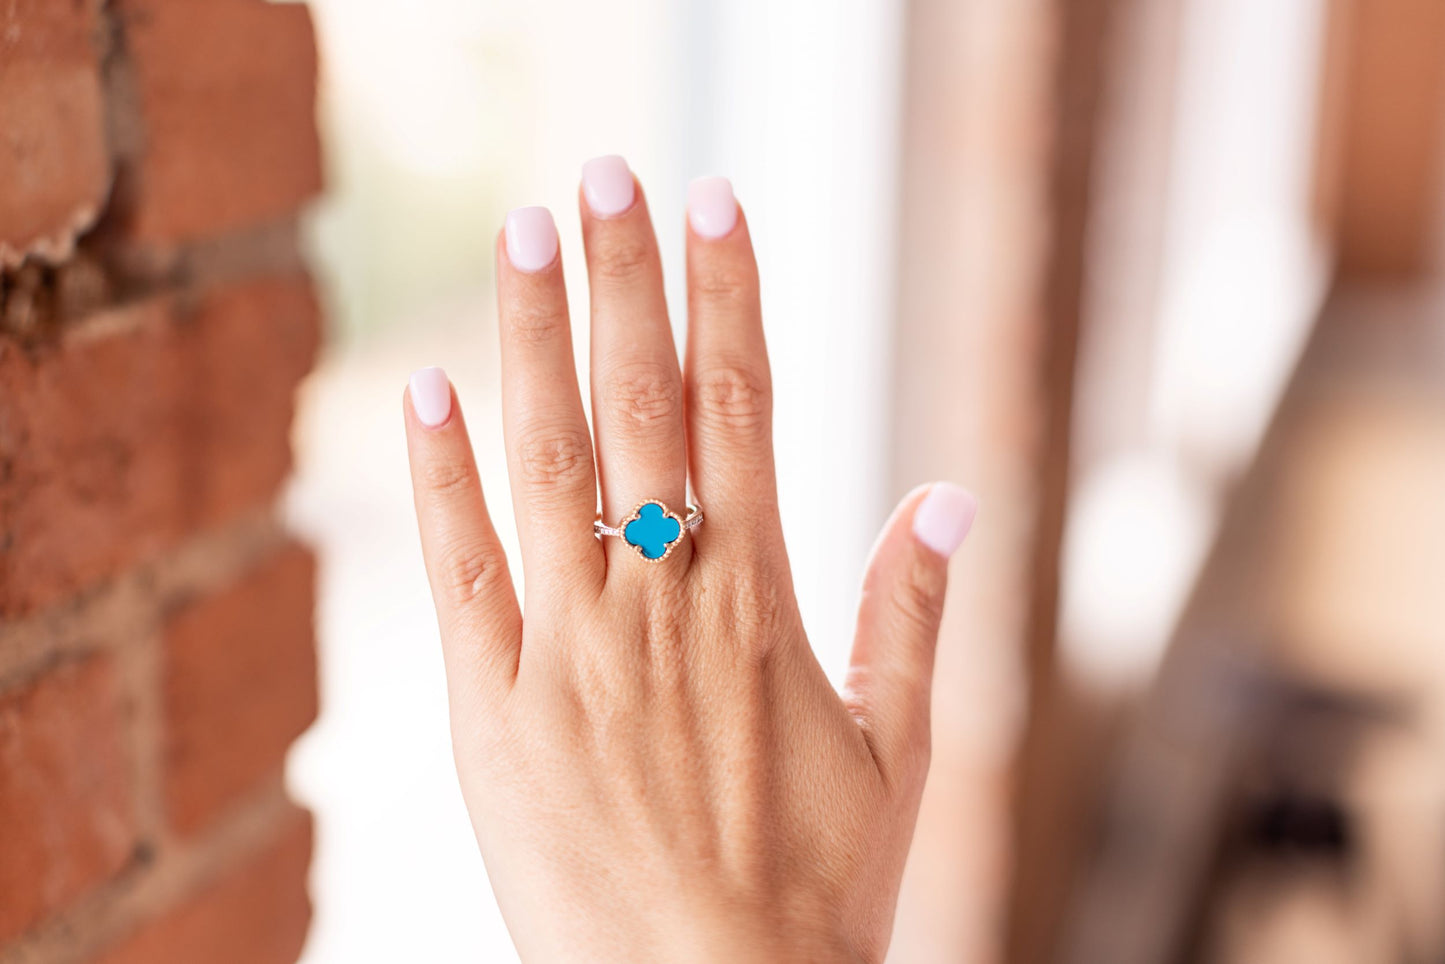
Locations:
{"points": [[651, 528]]}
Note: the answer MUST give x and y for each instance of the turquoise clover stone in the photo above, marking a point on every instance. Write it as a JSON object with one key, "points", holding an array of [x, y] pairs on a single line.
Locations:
{"points": [[652, 531]]}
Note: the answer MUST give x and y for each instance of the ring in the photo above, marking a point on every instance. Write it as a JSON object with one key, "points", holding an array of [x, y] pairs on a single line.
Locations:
{"points": [[651, 528]]}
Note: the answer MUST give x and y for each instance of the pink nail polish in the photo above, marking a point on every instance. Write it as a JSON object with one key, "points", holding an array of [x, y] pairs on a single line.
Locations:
{"points": [[711, 208], [607, 185], [943, 518], [531, 239], [431, 396]]}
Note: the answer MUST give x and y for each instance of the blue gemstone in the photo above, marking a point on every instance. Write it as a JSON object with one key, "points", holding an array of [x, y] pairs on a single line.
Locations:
{"points": [[652, 531]]}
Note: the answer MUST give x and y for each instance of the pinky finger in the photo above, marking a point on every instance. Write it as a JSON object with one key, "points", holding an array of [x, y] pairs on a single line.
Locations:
{"points": [[481, 625]]}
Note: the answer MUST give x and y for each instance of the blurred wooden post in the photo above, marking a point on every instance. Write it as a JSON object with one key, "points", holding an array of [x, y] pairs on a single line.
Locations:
{"points": [[1060, 729], [971, 356], [999, 129]]}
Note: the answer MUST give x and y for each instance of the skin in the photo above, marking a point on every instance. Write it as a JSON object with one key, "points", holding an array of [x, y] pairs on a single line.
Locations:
{"points": [[655, 765]]}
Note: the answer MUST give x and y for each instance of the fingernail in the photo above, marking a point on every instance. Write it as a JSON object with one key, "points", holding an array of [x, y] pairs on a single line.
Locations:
{"points": [[431, 396], [607, 185], [711, 208], [531, 238], [943, 518]]}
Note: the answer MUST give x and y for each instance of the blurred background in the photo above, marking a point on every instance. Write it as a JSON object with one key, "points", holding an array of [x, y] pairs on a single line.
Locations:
{"points": [[1158, 278], [1161, 280]]}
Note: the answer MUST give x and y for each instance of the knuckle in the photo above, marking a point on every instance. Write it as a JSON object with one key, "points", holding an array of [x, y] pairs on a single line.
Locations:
{"points": [[645, 393], [920, 600], [533, 323], [734, 397], [449, 477], [622, 260], [469, 569], [554, 459], [723, 285]]}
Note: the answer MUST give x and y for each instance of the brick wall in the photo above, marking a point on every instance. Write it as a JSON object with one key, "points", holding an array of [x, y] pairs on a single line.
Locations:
{"points": [[156, 652]]}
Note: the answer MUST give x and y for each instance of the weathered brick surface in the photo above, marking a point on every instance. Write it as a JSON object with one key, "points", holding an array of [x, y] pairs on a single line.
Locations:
{"points": [[141, 426], [67, 820], [54, 165], [154, 324], [240, 685], [226, 96], [257, 914]]}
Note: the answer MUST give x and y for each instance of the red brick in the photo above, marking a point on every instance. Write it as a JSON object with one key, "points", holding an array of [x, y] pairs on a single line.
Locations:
{"points": [[54, 165], [256, 914], [67, 817], [141, 426], [227, 92], [240, 685]]}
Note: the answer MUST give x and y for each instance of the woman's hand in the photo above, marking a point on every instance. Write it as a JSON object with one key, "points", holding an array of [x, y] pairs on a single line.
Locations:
{"points": [[656, 767]]}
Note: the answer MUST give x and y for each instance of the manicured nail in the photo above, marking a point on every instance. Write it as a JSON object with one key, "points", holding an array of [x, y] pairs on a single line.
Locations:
{"points": [[711, 208], [431, 396], [607, 185], [943, 518], [531, 239]]}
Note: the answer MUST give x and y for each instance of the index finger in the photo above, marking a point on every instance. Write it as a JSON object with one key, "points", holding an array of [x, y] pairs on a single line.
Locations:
{"points": [[549, 449]]}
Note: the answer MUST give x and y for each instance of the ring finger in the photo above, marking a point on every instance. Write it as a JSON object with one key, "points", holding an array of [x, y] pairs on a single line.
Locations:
{"points": [[637, 399]]}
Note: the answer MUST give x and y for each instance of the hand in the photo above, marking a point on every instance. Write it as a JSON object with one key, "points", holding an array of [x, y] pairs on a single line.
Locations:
{"points": [[655, 765]]}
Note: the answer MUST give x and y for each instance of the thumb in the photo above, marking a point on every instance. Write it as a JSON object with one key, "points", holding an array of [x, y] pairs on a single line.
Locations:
{"points": [[891, 674]]}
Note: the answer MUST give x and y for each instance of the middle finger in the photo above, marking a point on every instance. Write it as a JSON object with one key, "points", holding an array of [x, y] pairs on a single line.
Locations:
{"points": [[637, 407]]}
